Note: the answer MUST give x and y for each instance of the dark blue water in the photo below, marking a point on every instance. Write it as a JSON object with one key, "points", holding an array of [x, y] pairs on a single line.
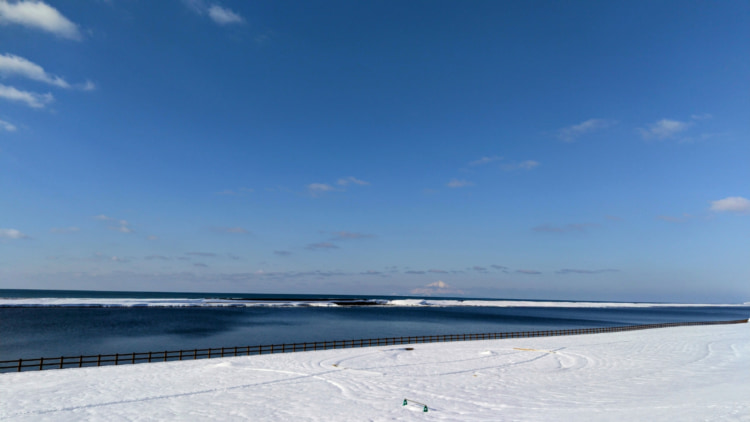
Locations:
{"points": [[56, 331]]}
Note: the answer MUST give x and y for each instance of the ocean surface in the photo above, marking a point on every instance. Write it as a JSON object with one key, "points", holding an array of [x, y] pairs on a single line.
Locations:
{"points": [[53, 323]]}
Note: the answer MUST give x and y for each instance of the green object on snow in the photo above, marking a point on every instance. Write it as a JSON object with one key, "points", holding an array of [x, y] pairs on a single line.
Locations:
{"points": [[405, 402], [425, 409]]}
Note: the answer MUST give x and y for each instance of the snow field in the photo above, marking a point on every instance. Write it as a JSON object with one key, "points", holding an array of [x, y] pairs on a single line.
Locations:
{"points": [[682, 373]]}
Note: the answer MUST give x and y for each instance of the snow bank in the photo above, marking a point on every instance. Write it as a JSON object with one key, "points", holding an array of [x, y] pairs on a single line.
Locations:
{"points": [[684, 373]]}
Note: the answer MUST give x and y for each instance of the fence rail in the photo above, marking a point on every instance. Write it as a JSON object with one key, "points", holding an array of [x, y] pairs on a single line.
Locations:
{"points": [[173, 355]]}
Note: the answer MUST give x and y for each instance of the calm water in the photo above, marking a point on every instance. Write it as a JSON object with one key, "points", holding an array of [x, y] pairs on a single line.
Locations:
{"points": [[32, 332]]}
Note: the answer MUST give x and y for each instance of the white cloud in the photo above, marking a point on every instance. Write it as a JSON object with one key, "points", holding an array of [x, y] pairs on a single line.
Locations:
{"points": [[12, 234], [220, 15], [31, 99], [318, 188], [527, 165], [736, 204], [7, 126], [485, 160], [455, 183], [121, 226], [38, 15], [349, 180], [12, 65], [223, 16], [664, 129], [570, 133]]}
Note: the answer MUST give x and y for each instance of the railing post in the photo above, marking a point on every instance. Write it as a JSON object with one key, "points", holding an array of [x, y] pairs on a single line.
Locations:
{"points": [[117, 358], [41, 363], [20, 364]]}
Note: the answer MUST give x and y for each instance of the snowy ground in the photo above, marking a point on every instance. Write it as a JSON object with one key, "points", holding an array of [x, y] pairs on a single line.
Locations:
{"points": [[684, 373]]}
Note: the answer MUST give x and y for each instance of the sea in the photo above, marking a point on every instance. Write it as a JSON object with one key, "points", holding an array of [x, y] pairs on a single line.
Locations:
{"points": [[54, 323]]}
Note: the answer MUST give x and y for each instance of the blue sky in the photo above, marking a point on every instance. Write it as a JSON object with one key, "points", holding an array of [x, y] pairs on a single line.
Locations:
{"points": [[578, 150]]}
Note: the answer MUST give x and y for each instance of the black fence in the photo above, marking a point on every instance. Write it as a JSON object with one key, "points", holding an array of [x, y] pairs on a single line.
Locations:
{"points": [[167, 356]]}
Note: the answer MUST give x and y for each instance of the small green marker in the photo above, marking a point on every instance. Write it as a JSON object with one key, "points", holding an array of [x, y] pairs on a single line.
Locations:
{"points": [[425, 409], [405, 402]]}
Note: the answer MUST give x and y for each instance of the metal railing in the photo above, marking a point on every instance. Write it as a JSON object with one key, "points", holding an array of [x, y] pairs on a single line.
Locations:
{"points": [[61, 362]]}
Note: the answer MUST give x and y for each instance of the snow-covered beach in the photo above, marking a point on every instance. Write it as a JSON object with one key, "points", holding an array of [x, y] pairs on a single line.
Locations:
{"points": [[682, 373]]}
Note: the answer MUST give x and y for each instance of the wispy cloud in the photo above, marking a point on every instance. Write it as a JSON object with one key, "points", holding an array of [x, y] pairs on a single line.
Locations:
{"points": [[573, 227], [434, 271], [523, 165], [529, 272], [455, 183], [157, 257], [12, 234], [38, 15], [344, 235], [203, 254], [351, 180], [12, 65], [224, 16], [7, 126], [31, 99], [571, 133], [736, 204], [115, 224], [485, 160], [499, 267], [578, 271], [479, 269], [282, 253], [219, 14], [321, 246], [316, 189], [664, 129]]}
